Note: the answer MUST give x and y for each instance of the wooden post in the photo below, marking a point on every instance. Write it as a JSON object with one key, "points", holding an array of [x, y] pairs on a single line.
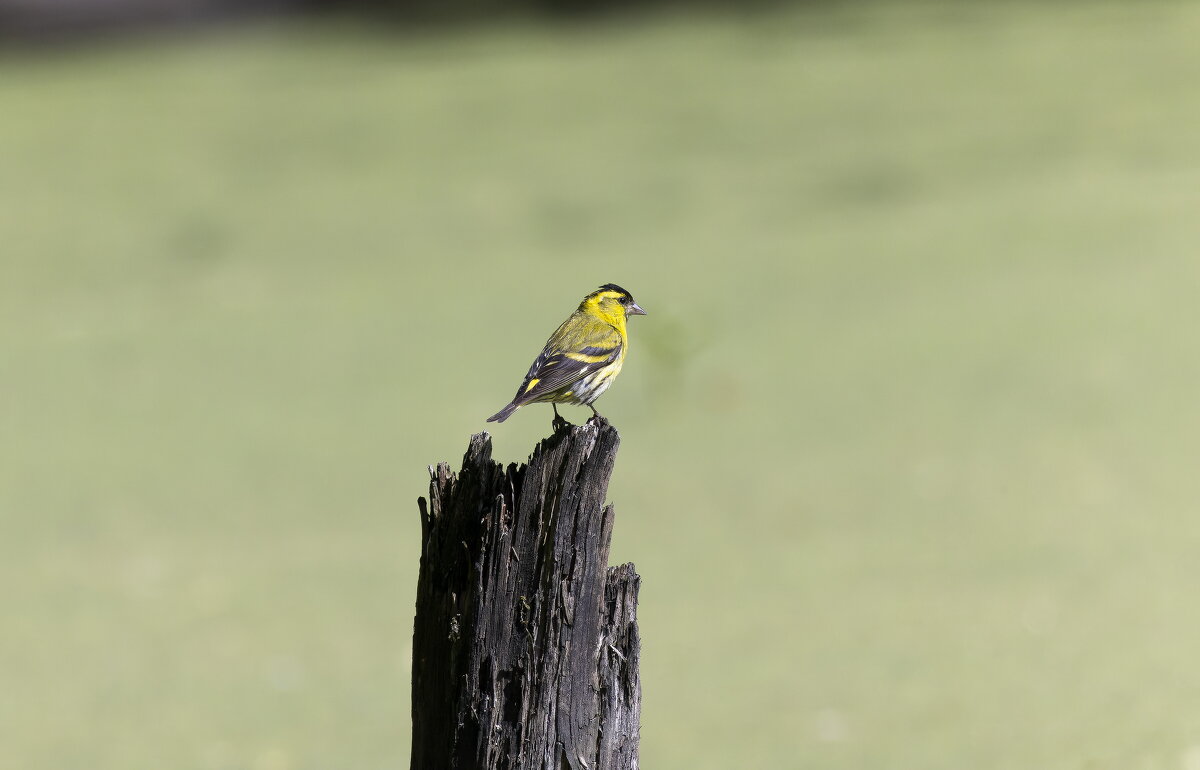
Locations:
{"points": [[525, 644]]}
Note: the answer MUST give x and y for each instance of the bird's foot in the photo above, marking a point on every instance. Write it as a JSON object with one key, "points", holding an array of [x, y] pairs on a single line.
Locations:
{"points": [[598, 419], [559, 422]]}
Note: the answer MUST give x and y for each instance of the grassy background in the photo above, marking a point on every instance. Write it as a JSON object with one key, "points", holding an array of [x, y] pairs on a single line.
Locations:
{"points": [[909, 433]]}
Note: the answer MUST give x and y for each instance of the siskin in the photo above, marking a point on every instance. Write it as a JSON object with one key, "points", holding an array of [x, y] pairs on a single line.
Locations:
{"points": [[582, 358]]}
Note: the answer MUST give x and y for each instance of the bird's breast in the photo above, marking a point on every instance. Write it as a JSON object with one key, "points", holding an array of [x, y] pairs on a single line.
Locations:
{"points": [[589, 388]]}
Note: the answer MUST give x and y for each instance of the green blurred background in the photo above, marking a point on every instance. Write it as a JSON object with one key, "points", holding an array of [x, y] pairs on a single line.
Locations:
{"points": [[909, 435]]}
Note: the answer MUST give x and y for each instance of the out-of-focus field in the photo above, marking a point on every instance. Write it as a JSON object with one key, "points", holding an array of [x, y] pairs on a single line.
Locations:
{"points": [[910, 434]]}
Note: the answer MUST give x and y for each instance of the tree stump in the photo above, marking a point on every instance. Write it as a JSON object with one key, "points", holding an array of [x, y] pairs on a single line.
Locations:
{"points": [[525, 644]]}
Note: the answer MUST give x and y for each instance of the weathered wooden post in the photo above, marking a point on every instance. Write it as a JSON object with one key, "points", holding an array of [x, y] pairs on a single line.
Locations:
{"points": [[525, 644]]}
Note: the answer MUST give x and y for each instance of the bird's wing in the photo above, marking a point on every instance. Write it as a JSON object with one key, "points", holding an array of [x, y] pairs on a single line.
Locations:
{"points": [[556, 368]]}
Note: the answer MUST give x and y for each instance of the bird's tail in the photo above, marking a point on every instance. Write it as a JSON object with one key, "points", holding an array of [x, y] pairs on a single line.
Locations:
{"points": [[504, 413]]}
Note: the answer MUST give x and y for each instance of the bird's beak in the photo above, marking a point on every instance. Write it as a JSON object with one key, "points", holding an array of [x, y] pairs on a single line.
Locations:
{"points": [[635, 310]]}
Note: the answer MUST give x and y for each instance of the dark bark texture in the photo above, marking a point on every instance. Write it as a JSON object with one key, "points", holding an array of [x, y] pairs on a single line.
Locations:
{"points": [[525, 645]]}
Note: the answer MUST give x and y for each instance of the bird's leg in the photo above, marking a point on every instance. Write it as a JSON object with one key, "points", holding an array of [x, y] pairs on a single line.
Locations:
{"points": [[596, 416], [558, 422]]}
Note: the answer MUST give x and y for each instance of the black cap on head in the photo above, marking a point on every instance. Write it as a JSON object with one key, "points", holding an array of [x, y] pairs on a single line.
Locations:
{"points": [[614, 287]]}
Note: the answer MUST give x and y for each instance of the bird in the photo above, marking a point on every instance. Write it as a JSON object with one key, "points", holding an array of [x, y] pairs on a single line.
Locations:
{"points": [[582, 358]]}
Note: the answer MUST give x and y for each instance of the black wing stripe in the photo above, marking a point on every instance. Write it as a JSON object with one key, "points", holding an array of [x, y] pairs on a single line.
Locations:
{"points": [[611, 352], [557, 372]]}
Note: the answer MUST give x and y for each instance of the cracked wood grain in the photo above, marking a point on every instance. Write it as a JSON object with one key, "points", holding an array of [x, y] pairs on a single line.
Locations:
{"points": [[525, 643]]}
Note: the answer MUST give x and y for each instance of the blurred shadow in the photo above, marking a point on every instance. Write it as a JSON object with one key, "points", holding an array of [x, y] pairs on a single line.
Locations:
{"points": [[472, 11], [35, 21]]}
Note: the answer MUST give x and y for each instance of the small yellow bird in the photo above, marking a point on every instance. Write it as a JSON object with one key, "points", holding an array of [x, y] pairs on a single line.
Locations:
{"points": [[582, 358]]}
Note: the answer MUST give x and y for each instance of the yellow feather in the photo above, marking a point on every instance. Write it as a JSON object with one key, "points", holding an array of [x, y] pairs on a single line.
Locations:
{"points": [[598, 324]]}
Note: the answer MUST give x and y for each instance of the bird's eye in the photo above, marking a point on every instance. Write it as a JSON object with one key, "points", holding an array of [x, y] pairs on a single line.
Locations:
{"points": [[624, 300]]}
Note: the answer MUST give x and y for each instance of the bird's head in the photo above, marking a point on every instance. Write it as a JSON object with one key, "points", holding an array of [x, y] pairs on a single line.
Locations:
{"points": [[612, 302]]}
